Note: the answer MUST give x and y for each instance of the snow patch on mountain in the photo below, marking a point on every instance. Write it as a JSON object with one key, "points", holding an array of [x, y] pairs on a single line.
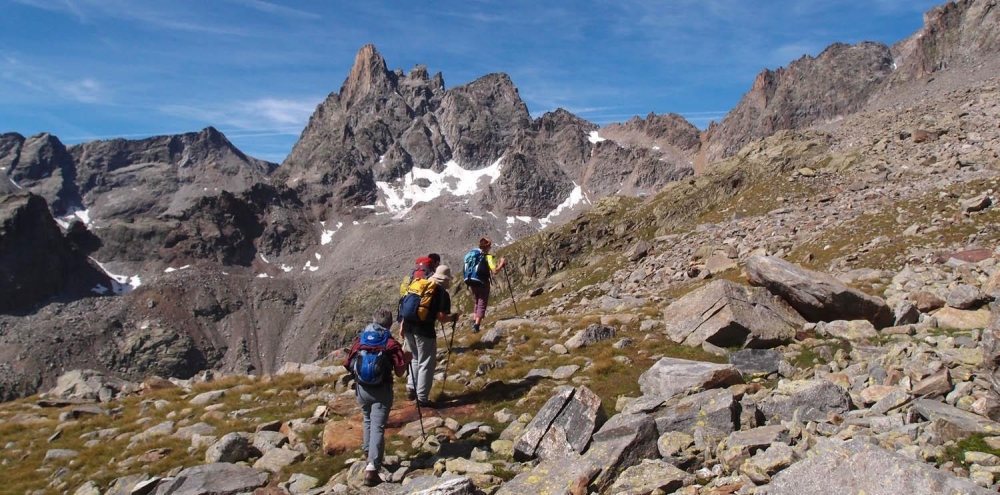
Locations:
{"points": [[403, 194], [575, 198], [327, 235], [120, 284], [594, 137]]}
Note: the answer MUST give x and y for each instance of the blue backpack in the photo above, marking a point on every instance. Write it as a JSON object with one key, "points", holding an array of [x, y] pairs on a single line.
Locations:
{"points": [[370, 366], [472, 261]]}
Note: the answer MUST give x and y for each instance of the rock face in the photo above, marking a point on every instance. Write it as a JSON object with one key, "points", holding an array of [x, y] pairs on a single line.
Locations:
{"points": [[817, 296], [952, 34], [836, 82], [726, 314], [37, 261]]}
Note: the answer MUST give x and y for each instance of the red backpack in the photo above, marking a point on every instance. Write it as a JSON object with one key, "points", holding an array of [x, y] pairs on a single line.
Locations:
{"points": [[421, 270]]}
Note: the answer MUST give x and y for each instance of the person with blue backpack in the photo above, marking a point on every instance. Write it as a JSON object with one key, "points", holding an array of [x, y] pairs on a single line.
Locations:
{"points": [[426, 301], [480, 266], [372, 360]]}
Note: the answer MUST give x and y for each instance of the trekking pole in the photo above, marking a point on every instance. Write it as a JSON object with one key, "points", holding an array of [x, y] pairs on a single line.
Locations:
{"points": [[448, 362], [511, 290]]}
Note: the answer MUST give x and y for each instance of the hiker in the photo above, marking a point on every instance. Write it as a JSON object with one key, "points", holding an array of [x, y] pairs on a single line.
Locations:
{"points": [[421, 338], [424, 267], [373, 358], [479, 271]]}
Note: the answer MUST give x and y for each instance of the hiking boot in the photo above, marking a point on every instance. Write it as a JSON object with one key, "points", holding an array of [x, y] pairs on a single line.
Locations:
{"points": [[372, 478], [429, 404], [411, 394], [475, 328]]}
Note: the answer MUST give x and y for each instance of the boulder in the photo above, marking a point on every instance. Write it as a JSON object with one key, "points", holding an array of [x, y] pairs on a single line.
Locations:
{"points": [[906, 313], [89, 385], [964, 296], [816, 296], [624, 441], [274, 460], [716, 408], [860, 467], [651, 476], [671, 376], [927, 301], [756, 361], [952, 423], [563, 425], [727, 314], [814, 398], [593, 334], [766, 463], [567, 475], [217, 478], [853, 330], [960, 319], [232, 447], [934, 386], [739, 446]]}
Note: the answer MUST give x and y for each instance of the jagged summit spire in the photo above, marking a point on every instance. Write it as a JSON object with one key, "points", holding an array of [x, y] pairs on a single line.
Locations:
{"points": [[368, 75]]}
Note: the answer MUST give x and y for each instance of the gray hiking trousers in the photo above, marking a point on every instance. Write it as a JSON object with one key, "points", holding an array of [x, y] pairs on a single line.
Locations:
{"points": [[424, 351], [375, 404]]}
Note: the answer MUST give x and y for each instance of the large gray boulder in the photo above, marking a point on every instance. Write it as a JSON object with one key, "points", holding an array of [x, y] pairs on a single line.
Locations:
{"points": [[816, 296], [832, 468], [562, 426], [756, 361], [216, 479], [814, 399], [727, 315], [716, 408], [624, 441], [232, 447], [671, 376]]}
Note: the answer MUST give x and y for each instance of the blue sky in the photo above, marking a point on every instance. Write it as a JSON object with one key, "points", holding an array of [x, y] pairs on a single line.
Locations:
{"points": [[256, 69]]}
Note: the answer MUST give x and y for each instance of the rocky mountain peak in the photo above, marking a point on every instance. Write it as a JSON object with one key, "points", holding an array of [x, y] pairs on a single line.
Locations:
{"points": [[836, 82], [368, 76], [953, 33]]}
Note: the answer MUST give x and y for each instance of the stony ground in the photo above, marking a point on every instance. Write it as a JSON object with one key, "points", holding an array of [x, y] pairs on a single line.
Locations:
{"points": [[624, 372]]}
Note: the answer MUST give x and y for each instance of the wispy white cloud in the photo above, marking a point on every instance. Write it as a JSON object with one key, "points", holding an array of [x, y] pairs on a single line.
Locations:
{"points": [[273, 8], [280, 115], [159, 15], [49, 84]]}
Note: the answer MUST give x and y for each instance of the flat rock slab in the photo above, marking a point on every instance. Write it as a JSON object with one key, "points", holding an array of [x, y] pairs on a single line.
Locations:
{"points": [[716, 408], [756, 361], [275, 460], [816, 296], [814, 398], [217, 478], [651, 476], [961, 319], [727, 314], [952, 421], [858, 467], [555, 476], [671, 376]]}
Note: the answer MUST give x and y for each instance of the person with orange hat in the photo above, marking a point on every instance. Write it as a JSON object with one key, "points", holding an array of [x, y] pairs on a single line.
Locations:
{"points": [[480, 268]]}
